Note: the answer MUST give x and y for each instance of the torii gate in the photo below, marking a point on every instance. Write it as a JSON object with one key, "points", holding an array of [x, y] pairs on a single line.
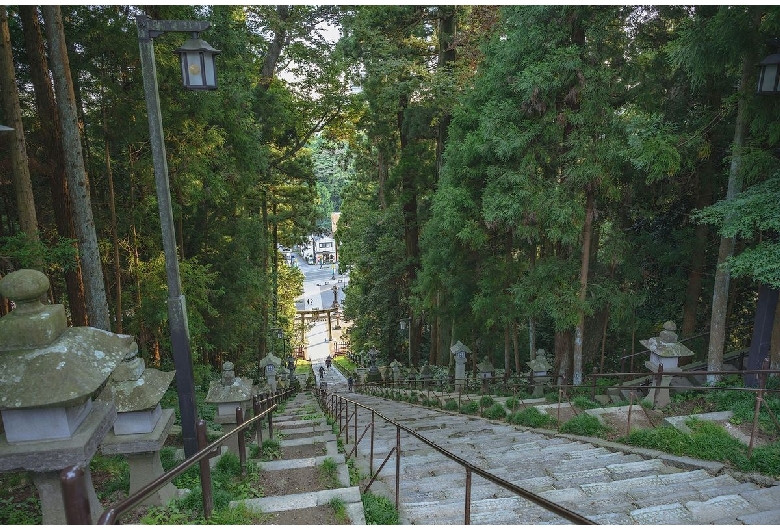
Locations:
{"points": [[315, 316]]}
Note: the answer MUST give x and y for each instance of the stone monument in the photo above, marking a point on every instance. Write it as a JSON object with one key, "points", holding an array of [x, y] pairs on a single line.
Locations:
{"points": [[48, 376], [459, 352], [229, 393], [142, 426], [665, 353]]}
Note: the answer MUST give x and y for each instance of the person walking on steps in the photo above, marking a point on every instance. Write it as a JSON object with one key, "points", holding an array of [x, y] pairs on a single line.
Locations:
{"points": [[322, 372], [328, 362], [350, 382]]}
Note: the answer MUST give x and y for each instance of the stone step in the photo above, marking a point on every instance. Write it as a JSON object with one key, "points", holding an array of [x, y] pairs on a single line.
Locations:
{"points": [[349, 496]]}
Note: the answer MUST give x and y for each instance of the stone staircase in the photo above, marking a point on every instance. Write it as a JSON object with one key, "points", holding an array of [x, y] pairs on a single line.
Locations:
{"points": [[303, 425], [606, 482]]}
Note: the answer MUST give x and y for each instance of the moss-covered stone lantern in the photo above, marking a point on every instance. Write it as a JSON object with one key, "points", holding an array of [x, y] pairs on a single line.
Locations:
{"points": [[228, 394], [48, 376], [142, 426]]}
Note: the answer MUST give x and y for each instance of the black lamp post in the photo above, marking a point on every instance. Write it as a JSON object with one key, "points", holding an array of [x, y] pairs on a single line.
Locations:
{"points": [[198, 73]]}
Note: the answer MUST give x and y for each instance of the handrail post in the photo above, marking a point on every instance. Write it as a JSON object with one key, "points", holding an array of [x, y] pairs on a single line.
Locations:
{"points": [[356, 427], [205, 471], [75, 496], [658, 377], [241, 441], [397, 466], [270, 425], [371, 457], [346, 422], [468, 497], [259, 425], [593, 386], [757, 410]]}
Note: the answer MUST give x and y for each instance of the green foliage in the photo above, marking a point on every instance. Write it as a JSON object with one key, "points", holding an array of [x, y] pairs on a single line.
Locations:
{"points": [[451, 404], [14, 508], [50, 256], [379, 510], [339, 510], [471, 407], [495, 412], [271, 450], [530, 417], [118, 470], [329, 474], [486, 401], [584, 425], [753, 212], [582, 402]]}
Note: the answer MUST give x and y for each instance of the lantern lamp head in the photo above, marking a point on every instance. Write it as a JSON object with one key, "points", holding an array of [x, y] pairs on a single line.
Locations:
{"points": [[769, 75], [198, 64]]}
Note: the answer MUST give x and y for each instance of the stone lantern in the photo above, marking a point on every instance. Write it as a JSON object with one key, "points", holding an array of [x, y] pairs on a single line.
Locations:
{"points": [[396, 367], [540, 369], [142, 426], [227, 394], [48, 376], [426, 375], [665, 353], [373, 372], [282, 377], [270, 365], [486, 372], [459, 352]]}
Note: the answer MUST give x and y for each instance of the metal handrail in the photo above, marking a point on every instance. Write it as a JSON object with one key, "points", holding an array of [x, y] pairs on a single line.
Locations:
{"points": [[74, 491], [470, 468]]}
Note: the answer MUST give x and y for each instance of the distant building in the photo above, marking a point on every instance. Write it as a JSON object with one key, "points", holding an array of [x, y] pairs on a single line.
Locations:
{"points": [[325, 249]]}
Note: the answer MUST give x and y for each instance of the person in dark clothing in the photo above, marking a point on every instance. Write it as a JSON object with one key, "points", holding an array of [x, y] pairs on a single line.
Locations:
{"points": [[322, 372], [350, 382]]}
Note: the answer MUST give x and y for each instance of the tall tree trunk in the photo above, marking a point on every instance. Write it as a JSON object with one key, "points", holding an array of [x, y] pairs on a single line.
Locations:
{"points": [[382, 169], [507, 350], [563, 359], [516, 347], [114, 236], [433, 355], [263, 341], [20, 169], [78, 183], [720, 293], [52, 142], [579, 332], [774, 344], [703, 184]]}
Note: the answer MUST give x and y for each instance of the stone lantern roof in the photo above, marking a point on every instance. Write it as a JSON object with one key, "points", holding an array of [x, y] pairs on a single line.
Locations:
{"points": [[230, 389], [43, 363], [426, 372], [270, 359], [459, 347], [666, 345], [136, 387], [486, 366]]}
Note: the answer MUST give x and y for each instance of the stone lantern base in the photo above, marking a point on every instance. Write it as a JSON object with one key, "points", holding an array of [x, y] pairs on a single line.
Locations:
{"points": [[45, 460], [142, 451]]}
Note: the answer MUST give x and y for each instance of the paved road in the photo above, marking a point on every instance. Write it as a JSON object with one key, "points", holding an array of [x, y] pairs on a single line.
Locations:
{"points": [[318, 288]]}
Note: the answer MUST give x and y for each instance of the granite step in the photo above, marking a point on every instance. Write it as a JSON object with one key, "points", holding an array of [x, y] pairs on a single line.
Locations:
{"points": [[609, 486]]}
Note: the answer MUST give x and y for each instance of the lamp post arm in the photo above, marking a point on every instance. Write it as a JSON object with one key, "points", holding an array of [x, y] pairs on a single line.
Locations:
{"points": [[149, 28]]}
